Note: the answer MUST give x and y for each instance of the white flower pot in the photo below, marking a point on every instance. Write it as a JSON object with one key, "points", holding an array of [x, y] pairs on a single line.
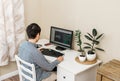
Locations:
{"points": [[81, 58], [91, 57]]}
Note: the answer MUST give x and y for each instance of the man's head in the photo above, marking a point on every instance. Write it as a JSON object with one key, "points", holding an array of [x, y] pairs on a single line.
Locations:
{"points": [[33, 30]]}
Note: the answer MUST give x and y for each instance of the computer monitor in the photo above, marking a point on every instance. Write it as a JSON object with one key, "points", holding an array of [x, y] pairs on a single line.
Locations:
{"points": [[62, 38]]}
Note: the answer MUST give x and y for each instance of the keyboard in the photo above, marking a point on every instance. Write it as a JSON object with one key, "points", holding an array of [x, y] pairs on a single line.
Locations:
{"points": [[51, 52]]}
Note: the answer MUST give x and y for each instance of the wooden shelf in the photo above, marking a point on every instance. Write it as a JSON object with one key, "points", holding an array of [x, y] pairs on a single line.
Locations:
{"points": [[109, 71]]}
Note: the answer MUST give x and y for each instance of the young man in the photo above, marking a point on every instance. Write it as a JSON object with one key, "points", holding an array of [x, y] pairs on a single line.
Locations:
{"points": [[28, 51]]}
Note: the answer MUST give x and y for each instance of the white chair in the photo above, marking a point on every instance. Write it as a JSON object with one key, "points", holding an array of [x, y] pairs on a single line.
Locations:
{"points": [[22, 68]]}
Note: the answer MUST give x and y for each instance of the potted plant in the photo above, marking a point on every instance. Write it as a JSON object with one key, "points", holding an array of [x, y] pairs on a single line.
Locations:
{"points": [[82, 56], [94, 39]]}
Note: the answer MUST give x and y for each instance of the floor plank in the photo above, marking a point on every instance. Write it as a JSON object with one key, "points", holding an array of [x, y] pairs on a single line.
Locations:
{"points": [[14, 78]]}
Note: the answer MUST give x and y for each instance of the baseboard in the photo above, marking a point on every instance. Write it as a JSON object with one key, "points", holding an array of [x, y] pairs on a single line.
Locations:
{"points": [[8, 75]]}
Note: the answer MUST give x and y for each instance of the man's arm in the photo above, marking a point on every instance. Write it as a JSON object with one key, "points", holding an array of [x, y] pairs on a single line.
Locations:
{"points": [[40, 60]]}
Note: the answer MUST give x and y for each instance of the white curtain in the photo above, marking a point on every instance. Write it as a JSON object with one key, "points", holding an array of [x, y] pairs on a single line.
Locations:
{"points": [[12, 29]]}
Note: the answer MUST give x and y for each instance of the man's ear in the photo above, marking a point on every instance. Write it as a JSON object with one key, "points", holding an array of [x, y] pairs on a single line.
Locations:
{"points": [[38, 36]]}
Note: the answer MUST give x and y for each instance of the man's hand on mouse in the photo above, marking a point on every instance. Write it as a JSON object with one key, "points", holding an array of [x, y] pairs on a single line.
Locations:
{"points": [[60, 58]]}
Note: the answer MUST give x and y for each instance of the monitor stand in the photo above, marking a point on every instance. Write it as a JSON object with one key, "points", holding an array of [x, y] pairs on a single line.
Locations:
{"points": [[60, 48]]}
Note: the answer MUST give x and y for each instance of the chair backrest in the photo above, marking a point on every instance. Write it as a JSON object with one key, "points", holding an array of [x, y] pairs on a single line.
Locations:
{"points": [[22, 69]]}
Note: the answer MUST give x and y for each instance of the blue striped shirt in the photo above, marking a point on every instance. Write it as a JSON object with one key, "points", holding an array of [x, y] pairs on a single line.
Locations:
{"points": [[29, 53]]}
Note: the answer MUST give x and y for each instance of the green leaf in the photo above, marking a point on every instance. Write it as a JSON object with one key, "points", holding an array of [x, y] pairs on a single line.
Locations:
{"points": [[87, 47], [96, 42], [87, 37], [90, 35], [94, 32], [99, 36], [88, 44], [75, 34], [78, 44], [99, 49]]}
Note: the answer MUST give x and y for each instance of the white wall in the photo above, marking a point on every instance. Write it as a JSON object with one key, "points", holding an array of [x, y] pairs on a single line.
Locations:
{"points": [[104, 15]]}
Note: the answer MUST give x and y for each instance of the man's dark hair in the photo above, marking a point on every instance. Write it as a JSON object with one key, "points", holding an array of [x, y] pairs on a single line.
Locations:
{"points": [[32, 30]]}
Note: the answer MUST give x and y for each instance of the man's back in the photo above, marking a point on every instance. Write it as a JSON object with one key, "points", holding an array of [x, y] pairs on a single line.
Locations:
{"points": [[29, 53]]}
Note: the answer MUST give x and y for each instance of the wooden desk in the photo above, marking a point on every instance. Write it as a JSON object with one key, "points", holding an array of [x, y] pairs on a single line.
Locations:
{"points": [[109, 71], [69, 69]]}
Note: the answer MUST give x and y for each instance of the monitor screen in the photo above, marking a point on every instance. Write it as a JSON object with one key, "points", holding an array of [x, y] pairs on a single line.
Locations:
{"points": [[62, 38]]}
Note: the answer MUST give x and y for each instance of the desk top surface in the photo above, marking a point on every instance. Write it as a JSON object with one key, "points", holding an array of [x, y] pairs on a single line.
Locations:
{"points": [[69, 62]]}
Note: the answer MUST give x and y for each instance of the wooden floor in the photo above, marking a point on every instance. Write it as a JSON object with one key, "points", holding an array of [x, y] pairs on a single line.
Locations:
{"points": [[14, 78]]}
